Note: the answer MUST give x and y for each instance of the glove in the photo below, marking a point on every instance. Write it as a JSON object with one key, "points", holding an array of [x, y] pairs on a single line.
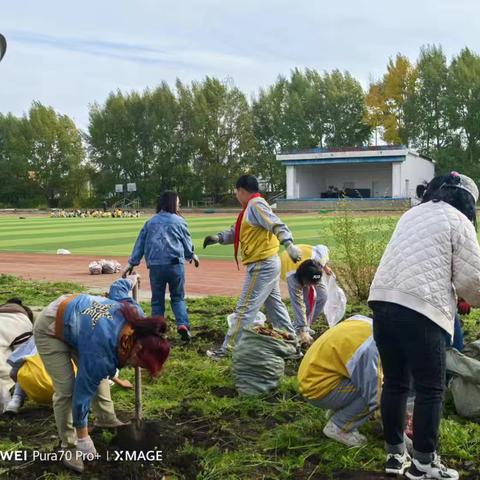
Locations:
{"points": [[211, 240], [127, 271], [293, 252], [463, 307], [86, 447], [305, 338], [195, 260]]}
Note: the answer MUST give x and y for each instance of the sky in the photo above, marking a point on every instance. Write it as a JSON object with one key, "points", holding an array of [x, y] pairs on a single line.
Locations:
{"points": [[72, 54]]}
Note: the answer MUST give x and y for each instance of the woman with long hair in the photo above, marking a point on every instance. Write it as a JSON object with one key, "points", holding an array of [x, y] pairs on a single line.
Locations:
{"points": [[101, 335], [432, 257], [165, 242]]}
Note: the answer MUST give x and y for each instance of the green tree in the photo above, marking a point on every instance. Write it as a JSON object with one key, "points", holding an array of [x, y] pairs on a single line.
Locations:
{"points": [[221, 135], [55, 154], [463, 104], [431, 126], [17, 187]]}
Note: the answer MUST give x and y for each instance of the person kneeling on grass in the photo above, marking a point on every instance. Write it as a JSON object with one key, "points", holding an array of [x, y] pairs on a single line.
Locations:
{"points": [[259, 233], [306, 286], [341, 372], [100, 334]]}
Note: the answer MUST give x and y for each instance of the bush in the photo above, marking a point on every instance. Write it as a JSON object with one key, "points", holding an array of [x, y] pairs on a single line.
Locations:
{"points": [[360, 243]]}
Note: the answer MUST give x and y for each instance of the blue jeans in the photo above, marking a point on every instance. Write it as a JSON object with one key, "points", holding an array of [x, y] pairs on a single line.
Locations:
{"points": [[174, 277]]}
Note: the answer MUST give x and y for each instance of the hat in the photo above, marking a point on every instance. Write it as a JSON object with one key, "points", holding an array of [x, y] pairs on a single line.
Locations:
{"points": [[467, 184]]}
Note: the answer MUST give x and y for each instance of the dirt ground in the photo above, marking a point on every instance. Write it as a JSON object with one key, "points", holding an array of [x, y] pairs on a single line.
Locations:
{"points": [[214, 277]]}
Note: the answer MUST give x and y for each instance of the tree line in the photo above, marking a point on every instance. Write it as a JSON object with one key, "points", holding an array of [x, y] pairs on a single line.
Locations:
{"points": [[197, 138]]}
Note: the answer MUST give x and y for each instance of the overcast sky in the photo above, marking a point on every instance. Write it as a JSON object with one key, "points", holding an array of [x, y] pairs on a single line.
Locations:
{"points": [[70, 54]]}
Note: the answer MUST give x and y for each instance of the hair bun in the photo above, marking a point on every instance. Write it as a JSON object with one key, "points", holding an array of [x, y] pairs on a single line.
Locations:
{"points": [[453, 178], [420, 190]]}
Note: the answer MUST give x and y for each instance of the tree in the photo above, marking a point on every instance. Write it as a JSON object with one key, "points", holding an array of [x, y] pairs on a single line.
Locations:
{"points": [[463, 103], [17, 187], [431, 126], [344, 106], [55, 154], [220, 133], [391, 101]]}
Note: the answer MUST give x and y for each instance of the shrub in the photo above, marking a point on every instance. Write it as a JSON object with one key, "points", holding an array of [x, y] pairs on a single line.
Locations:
{"points": [[360, 243]]}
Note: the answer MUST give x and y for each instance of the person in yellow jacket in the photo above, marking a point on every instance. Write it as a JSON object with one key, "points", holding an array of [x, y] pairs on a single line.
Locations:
{"points": [[32, 380], [341, 372], [259, 233], [307, 287]]}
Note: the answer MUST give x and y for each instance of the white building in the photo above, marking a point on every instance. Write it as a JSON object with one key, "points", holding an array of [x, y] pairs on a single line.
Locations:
{"points": [[391, 171]]}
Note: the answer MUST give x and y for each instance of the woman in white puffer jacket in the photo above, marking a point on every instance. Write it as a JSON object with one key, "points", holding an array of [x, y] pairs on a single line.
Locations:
{"points": [[432, 257]]}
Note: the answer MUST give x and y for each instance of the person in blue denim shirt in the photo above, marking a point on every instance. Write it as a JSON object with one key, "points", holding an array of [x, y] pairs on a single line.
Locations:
{"points": [[165, 242]]}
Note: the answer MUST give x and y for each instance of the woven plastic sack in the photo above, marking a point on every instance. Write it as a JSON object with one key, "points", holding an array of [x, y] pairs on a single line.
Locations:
{"points": [[465, 385], [110, 266], [95, 268], [336, 305], [259, 360]]}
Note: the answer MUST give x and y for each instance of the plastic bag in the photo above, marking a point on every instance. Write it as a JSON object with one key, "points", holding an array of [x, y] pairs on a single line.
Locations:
{"points": [[259, 360], [110, 266], [62, 251], [336, 305], [260, 319], [95, 268]]}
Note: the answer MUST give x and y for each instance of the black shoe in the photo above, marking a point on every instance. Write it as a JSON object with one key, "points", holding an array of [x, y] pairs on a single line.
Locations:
{"points": [[184, 333]]}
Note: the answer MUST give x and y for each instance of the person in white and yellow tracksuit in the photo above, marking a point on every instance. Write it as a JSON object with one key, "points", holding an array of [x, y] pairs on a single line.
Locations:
{"points": [[341, 372], [307, 286], [258, 232]]}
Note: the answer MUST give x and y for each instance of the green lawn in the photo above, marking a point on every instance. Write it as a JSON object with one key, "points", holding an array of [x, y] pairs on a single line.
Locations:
{"points": [[210, 433], [111, 236]]}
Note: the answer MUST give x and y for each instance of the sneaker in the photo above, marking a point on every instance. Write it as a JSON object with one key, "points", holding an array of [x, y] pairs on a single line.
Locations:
{"points": [[71, 460], [14, 405], [351, 439], [397, 463], [184, 333], [432, 470], [217, 354]]}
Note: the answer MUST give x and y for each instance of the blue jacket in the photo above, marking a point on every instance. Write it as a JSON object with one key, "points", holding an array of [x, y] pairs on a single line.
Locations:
{"points": [[92, 326], [163, 240]]}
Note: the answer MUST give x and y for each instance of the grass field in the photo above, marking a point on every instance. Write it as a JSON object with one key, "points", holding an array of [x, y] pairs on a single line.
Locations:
{"points": [[208, 432], [110, 236]]}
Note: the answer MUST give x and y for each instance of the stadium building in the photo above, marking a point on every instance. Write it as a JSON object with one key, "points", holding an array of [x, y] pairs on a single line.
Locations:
{"points": [[372, 177]]}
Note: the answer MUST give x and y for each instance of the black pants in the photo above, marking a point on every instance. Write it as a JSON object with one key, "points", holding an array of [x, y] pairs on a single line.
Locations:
{"points": [[410, 345]]}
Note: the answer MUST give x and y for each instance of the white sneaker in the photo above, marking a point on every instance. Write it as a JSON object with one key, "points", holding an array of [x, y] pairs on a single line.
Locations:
{"points": [[14, 405], [432, 470], [397, 464], [351, 439], [216, 354]]}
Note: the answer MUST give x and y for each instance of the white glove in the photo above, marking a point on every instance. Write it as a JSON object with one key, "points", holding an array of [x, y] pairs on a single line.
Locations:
{"points": [[127, 270], [293, 251], [195, 260], [86, 447], [305, 338]]}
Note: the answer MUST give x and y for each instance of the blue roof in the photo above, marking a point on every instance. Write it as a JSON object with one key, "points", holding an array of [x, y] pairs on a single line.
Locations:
{"points": [[344, 160]]}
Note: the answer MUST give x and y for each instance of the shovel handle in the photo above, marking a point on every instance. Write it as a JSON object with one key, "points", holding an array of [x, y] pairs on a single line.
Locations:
{"points": [[138, 371]]}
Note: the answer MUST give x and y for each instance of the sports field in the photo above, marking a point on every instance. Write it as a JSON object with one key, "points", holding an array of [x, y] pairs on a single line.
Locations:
{"points": [[116, 236]]}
